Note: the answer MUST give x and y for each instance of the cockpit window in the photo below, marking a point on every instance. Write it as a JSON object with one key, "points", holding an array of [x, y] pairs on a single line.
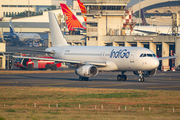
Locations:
{"points": [[147, 55], [141, 55]]}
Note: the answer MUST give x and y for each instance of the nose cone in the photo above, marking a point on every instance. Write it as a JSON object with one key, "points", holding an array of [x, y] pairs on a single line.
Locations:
{"points": [[155, 63]]}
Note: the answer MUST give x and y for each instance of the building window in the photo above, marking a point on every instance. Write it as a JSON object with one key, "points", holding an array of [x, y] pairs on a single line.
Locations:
{"points": [[0, 61], [92, 7], [92, 24], [4, 5], [12, 5], [3, 14]]}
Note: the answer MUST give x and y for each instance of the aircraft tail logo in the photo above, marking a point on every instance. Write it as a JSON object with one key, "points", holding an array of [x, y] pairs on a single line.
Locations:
{"points": [[72, 21], [83, 9]]}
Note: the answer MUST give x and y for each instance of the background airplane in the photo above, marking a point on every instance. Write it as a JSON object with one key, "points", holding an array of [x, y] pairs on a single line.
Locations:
{"points": [[89, 60], [23, 38], [145, 28]]}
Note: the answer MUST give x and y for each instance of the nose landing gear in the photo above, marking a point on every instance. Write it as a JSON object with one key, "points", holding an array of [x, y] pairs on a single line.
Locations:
{"points": [[141, 76]]}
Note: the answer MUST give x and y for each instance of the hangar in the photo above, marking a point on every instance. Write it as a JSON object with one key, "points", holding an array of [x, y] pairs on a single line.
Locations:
{"points": [[158, 7]]}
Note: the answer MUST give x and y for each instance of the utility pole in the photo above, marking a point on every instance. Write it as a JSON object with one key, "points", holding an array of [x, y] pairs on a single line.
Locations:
{"points": [[139, 12], [28, 8], [177, 23]]}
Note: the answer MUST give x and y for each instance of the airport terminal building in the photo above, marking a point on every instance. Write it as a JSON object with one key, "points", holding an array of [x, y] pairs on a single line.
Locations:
{"points": [[158, 7], [14, 7]]}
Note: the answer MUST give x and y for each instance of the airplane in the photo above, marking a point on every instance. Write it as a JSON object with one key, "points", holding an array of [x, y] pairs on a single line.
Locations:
{"points": [[161, 30], [72, 22], [21, 38], [90, 60]]}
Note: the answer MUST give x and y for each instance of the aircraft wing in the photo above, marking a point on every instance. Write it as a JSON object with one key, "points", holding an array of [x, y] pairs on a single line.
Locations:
{"points": [[42, 51], [170, 57], [101, 63]]}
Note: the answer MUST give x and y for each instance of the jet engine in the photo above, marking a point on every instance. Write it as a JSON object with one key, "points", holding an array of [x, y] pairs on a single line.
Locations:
{"points": [[146, 73], [87, 71]]}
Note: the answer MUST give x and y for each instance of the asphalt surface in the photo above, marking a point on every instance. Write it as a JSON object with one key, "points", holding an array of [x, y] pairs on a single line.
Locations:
{"points": [[161, 81]]}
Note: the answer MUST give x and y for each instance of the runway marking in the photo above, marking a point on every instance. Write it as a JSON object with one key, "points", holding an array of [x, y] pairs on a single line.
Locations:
{"points": [[106, 85], [50, 84], [164, 87], [7, 82]]}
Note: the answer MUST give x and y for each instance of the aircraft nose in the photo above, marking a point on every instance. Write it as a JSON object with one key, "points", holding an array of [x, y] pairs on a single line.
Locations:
{"points": [[155, 63]]}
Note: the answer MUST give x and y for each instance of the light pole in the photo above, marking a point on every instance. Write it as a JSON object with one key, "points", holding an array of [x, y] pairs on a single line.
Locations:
{"points": [[139, 11], [28, 8]]}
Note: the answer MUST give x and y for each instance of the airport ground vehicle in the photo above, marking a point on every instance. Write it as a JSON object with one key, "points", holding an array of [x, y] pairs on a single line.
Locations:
{"points": [[30, 64]]}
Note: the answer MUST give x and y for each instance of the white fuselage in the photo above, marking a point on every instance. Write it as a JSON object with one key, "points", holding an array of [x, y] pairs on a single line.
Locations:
{"points": [[166, 30], [25, 36], [116, 58]]}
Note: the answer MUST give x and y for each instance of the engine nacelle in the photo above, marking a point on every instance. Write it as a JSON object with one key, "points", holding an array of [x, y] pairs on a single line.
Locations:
{"points": [[146, 73], [87, 71]]}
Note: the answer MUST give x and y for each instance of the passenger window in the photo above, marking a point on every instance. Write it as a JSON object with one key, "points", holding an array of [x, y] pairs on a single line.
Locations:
{"points": [[141, 55], [154, 55]]}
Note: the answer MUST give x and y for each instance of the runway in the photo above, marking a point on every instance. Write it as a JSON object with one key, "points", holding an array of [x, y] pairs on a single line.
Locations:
{"points": [[161, 81]]}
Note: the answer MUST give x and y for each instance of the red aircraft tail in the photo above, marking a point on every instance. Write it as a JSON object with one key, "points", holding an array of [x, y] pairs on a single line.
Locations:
{"points": [[83, 9], [71, 21]]}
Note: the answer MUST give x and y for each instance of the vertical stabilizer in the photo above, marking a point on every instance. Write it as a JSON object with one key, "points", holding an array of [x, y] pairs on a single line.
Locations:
{"points": [[72, 22], [144, 23], [11, 27], [56, 34], [83, 9]]}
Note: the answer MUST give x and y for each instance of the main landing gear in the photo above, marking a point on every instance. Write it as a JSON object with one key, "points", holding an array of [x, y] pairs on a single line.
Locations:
{"points": [[83, 78], [141, 76], [122, 77]]}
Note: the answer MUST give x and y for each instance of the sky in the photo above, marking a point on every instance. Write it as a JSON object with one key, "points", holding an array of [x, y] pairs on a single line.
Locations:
{"points": [[131, 3]]}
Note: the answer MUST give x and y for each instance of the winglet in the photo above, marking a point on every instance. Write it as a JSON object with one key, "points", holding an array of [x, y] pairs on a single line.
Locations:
{"points": [[56, 34]]}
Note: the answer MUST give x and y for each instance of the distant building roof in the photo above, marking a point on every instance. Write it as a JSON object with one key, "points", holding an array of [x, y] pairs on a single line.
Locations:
{"points": [[26, 24], [151, 4]]}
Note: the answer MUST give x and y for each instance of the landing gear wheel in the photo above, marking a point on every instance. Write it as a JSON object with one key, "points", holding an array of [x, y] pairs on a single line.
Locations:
{"points": [[30, 67], [141, 79], [83, 78], [21, 68], [53, 67], [119, 77], [124, 77], [48, 66]]}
